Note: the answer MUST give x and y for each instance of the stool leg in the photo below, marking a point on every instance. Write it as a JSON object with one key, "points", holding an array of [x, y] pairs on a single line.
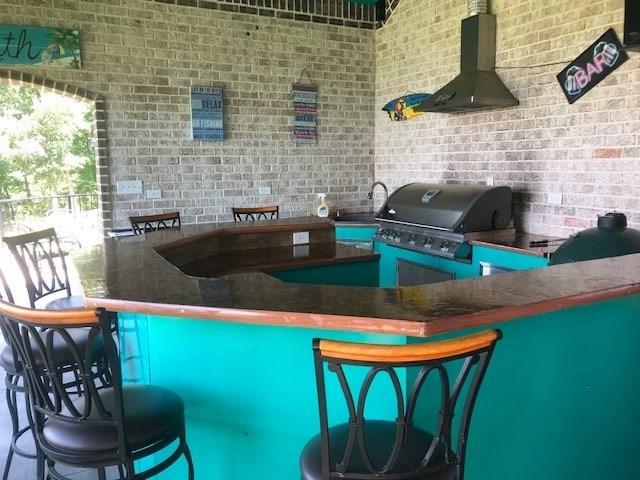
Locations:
{"points": [[187, 455], [40, 464], [13, 413]]}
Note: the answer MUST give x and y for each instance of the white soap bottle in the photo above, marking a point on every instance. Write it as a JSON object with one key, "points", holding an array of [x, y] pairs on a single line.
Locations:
{"points": [[323, 209]]}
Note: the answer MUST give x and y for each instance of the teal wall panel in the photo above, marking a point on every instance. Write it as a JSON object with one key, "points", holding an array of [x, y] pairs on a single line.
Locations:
{"points": [[360, 274], [364, 233], [249, 393], [560, 400]]}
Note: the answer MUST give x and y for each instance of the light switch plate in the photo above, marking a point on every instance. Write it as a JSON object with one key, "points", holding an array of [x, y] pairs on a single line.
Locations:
{"points": [[491, 181], [264, 190], [154, 193], [300, 238], [129, 187]]}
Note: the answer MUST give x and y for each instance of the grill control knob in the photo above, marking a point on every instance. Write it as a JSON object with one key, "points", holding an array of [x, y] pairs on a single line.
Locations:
{"points": [[397, 238], [412, 239], [427, 242], [444, 246]]}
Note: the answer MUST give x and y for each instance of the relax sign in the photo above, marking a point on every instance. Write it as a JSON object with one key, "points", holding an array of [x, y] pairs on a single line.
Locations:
{"points": [[20, 45], [592, 66]]}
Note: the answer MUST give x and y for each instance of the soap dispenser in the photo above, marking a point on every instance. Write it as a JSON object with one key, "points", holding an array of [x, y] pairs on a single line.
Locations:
{"points": [[323, 209]]}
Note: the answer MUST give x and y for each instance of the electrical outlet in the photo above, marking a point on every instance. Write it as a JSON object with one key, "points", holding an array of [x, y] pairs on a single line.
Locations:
{"points": [[554, 198], [300, 251], [154, 193], [264, 190], [491, 181], [129, 187], [300, 238]]}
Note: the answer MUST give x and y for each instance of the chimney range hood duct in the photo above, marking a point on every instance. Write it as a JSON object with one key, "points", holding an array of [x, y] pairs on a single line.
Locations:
{"points": [[478, 86]]}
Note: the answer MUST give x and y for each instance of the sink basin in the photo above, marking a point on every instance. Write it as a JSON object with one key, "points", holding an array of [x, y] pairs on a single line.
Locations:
{"points": [[359, 217]]}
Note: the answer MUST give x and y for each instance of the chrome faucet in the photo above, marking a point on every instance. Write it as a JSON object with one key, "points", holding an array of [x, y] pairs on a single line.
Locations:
{"points": [[386, 191]]}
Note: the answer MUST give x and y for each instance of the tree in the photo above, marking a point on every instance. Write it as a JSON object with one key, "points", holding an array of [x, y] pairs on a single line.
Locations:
{"points": [[45, 144]]}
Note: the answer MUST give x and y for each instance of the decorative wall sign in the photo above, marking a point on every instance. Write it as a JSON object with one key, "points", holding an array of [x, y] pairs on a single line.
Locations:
{"points": [[305, 111], [206, 113], [401, 108], [592, 66], [23, 45]]}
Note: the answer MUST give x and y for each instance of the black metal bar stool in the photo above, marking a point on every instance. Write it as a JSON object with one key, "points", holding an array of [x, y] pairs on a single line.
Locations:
{"points": [[43, 266], [14, 386], [380, 449], [153, 223], [107, 425], [265, 212]]}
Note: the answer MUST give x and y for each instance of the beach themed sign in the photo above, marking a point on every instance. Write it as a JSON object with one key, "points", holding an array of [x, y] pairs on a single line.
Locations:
{"points": [[24, 45], [207, 121], [402, 108], [305, 111], [592, 66]]}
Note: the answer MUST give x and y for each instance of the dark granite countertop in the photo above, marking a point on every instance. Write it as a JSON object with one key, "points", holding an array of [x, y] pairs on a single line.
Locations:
{"points": [[130, 275], [520, 244]]}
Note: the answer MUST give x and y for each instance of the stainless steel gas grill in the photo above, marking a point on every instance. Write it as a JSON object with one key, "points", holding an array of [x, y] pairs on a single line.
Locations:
{"points": [[440, 219]]}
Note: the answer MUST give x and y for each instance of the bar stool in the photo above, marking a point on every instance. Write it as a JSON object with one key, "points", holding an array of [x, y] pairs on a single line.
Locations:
{"points": [[373, 449], [14, 385], [266, 212], [153, 223], [106, 426], [43, 266]]}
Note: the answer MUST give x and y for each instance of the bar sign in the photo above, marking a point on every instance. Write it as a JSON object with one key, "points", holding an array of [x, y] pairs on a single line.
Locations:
{"points": [[592, 66]]}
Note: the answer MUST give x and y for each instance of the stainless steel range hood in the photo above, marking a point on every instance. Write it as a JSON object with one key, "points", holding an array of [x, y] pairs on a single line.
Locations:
{"points": [[478, 86]]}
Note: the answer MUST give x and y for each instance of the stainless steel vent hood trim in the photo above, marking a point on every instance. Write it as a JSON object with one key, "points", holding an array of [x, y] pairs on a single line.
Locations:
{"points": [[478, 86]]}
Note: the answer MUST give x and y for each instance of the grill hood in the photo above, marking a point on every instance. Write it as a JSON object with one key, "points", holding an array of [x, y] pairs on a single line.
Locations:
{"points": [[452, 208], [478, 86]]}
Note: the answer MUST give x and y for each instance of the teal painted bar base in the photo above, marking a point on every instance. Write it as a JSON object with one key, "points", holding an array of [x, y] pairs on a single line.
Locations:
{"points": [[357, 274], [561, 399]]}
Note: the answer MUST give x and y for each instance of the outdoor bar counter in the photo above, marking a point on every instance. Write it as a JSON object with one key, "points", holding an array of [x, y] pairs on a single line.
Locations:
{"points": [[232, 336]]}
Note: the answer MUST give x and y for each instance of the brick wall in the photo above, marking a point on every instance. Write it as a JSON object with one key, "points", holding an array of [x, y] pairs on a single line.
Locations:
{"points": [[589, 152], [143, 56]]}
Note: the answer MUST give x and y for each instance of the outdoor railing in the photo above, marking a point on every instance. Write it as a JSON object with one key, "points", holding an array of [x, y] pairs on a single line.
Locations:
{"points": [[20, 215]]}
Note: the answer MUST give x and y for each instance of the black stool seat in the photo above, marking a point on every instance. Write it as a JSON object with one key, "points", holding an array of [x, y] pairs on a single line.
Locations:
{"points": [[66, 303], [379, 437], [62, 354], [150, 413]]}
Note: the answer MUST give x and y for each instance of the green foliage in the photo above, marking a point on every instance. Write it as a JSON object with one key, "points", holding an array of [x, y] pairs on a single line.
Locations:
{"points": [[17, 102], [45, 144]]}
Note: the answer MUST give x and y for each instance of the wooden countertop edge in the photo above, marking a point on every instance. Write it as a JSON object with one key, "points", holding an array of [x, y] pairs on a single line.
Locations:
{"points": [[364, 324], [265, 317], [504, 314]]}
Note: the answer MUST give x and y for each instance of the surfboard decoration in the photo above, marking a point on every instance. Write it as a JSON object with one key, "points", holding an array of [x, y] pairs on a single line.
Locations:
{"points": [[401, 108]]}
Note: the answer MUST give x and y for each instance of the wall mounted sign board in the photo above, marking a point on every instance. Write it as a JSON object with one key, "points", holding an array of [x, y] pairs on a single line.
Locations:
{"points": [[207, 121], [305, 111], [25, 45], [592, 66]]}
